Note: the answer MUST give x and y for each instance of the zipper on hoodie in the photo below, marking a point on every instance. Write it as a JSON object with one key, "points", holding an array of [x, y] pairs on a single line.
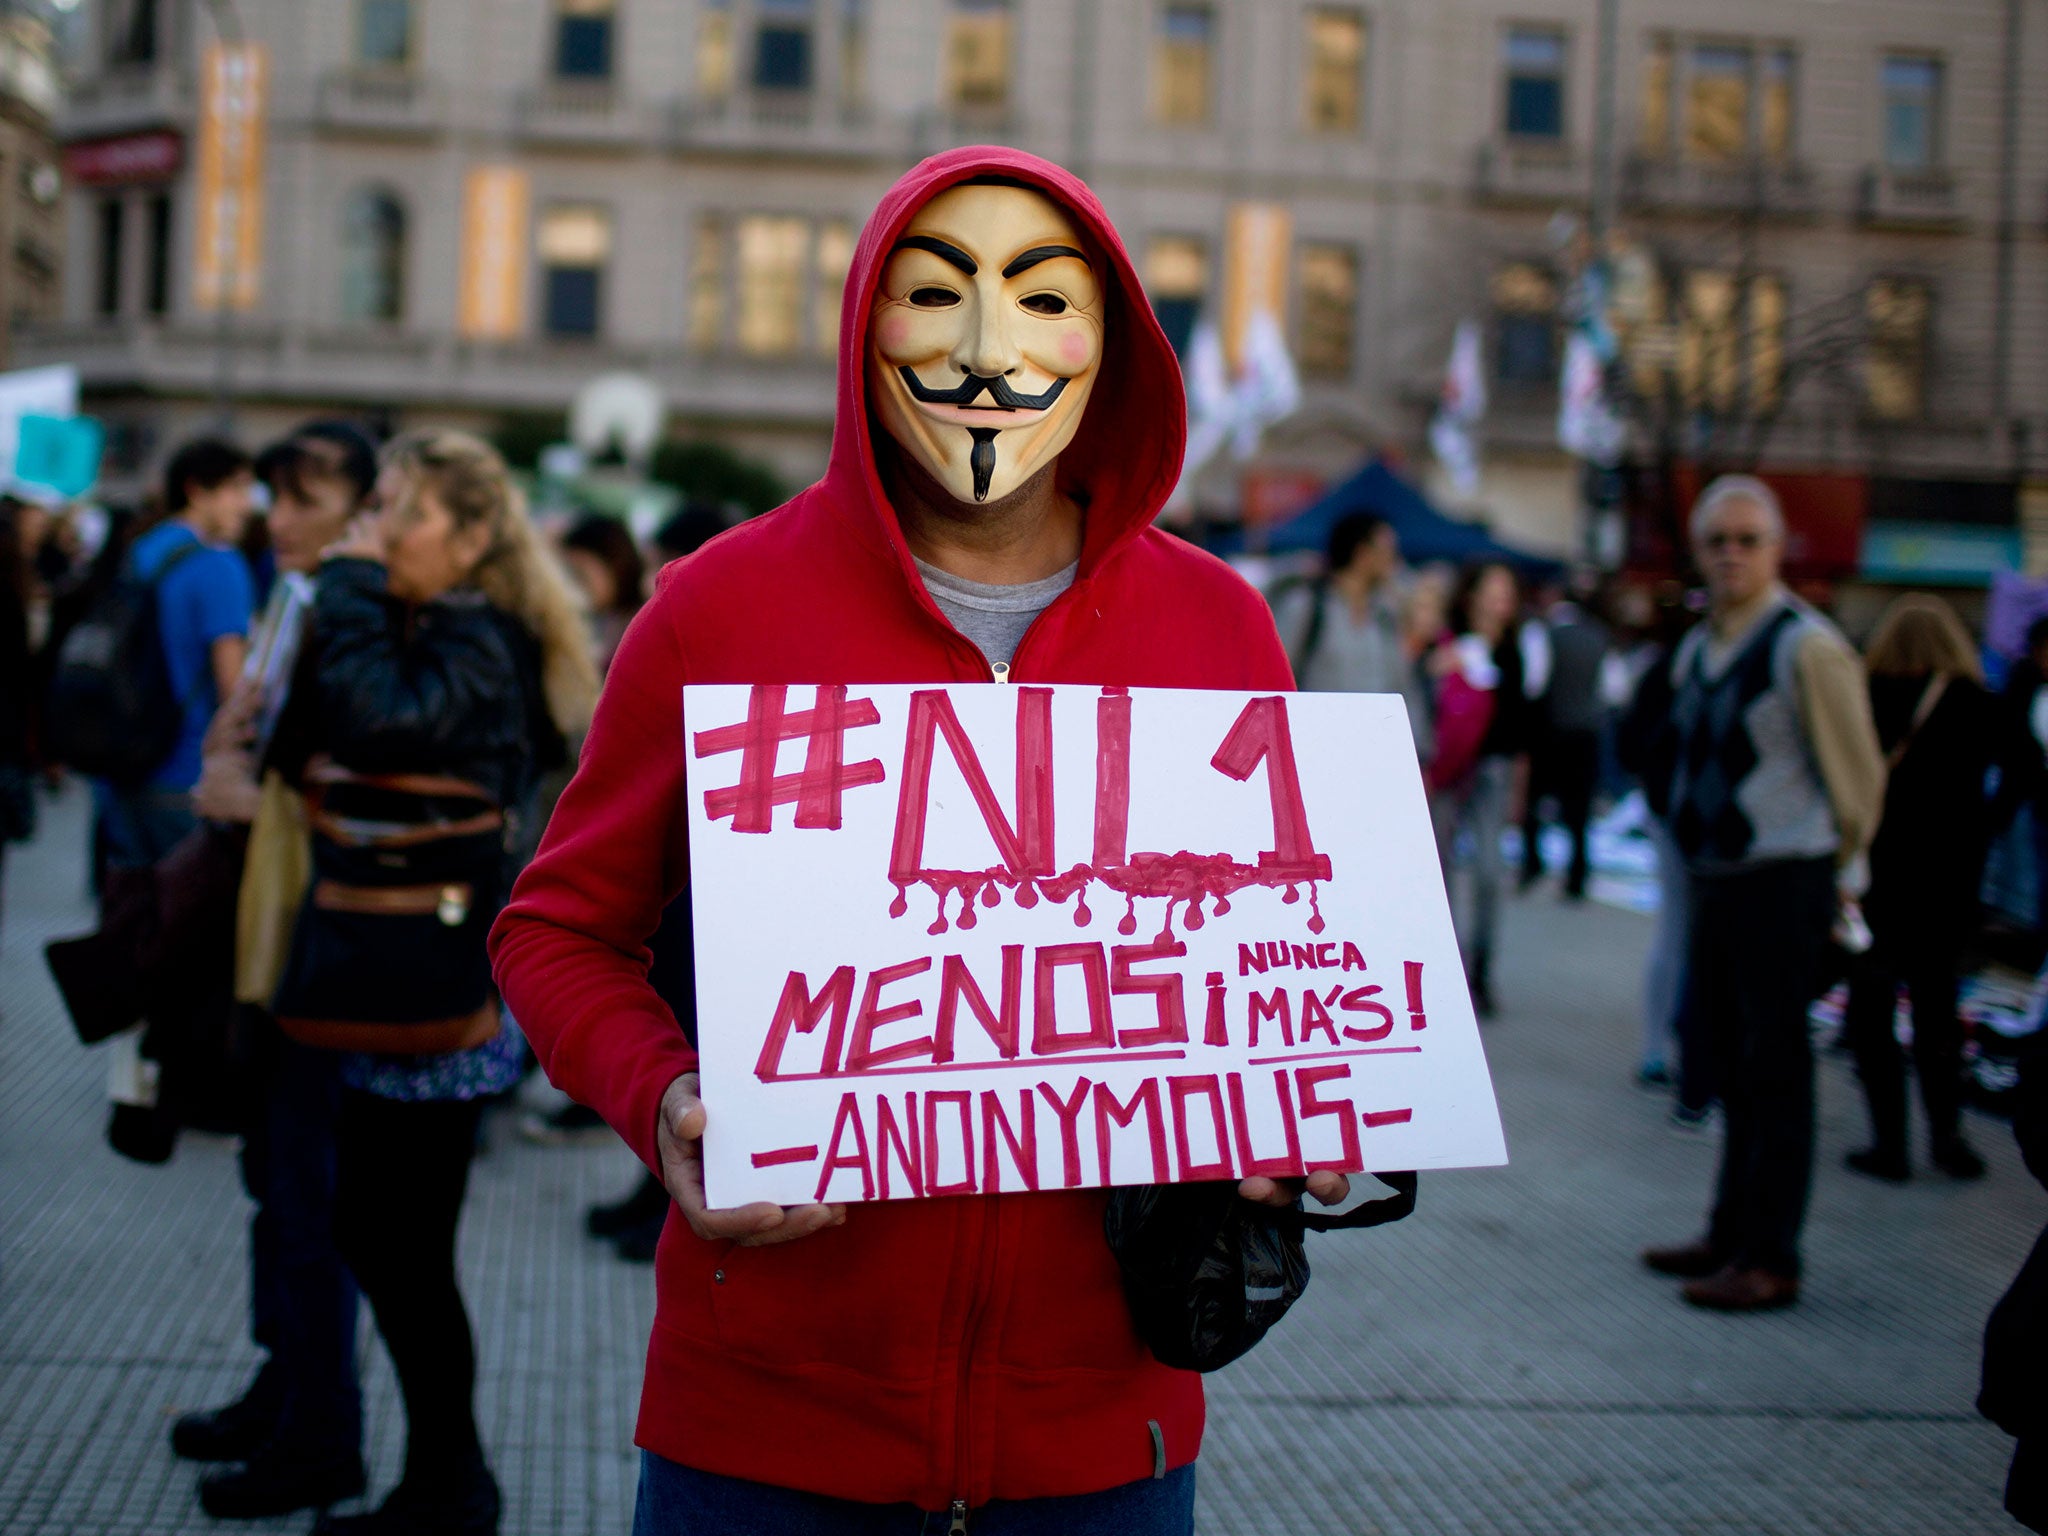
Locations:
{"points": [[970, 1335], [959, 1514], [1000, 671]]}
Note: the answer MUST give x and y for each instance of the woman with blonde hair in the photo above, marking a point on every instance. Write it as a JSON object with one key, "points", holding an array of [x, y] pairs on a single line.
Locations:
{"points": [[448, 664], [1939, 731]]}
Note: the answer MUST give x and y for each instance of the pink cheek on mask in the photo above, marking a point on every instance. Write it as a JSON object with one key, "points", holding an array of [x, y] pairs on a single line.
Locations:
{"points": [[893, 333], [1076, 351]]}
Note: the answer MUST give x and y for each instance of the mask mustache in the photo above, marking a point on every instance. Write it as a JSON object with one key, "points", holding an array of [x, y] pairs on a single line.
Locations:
{"points": [[971, 388]]}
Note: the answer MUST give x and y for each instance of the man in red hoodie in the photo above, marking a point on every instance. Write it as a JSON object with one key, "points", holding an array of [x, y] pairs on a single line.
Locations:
{"points": [[1010, 422]]}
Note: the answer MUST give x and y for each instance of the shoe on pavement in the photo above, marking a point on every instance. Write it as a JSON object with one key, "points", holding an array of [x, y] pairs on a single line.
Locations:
{"points": [[232, 1432], [1684, 1117], [647, 1202], [1880, 1163], [1958, 1159], [466, 1508], [279, 1482], [1736, 1289], [1688, 1261], [571, 1123], [1654, 1074]]}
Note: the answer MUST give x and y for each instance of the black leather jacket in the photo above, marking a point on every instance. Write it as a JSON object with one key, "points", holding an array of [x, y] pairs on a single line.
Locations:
{"points": [[450, 687]]}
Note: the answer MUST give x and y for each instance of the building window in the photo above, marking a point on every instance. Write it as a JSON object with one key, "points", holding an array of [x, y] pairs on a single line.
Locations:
{"points": [[782, 46], [130, 31], [1717, 103], [1328, 311], [1766, 344], [835, 258], [1659, 70], [1183, 60], [112, 218], [773, 252], [156, 286], [1912, 113], [978, 55], [1533, 63], [372, 258], [1525, 324], [1177, 279], [575, 247], [1895, 370], [1731, 342], [1334, 98], [714, 49], [1776, 95], [384, 34], [583, 39], [707, 284]]}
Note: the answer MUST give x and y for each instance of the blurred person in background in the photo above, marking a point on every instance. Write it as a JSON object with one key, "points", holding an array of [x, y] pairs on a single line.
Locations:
{"points": [[449, 645], [604, 561], [21, 534], [1939, 730], [697, 524], [1479, 772], [1342, 629], [2014, 1385], [297, 1428], [205, 601], [2020, 810], [1566, 725], [1775, 781]]}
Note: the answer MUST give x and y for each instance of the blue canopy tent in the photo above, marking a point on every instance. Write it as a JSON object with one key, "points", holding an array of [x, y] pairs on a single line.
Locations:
{"points": [[1426, 534]]}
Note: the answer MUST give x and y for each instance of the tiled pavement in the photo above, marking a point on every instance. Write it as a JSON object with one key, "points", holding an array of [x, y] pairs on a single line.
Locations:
{"points": [[1498, 1364]]}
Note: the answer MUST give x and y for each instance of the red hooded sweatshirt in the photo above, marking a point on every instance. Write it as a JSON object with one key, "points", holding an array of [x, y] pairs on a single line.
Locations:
{"points": [[926, 1351]]}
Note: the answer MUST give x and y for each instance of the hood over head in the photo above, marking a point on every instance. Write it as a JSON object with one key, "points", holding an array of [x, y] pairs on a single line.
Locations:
{"points": [[1125, 457]]}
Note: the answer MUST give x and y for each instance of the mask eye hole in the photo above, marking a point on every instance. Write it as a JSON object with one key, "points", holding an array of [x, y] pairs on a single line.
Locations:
{"points": [[1044, 304], [933, 298]]}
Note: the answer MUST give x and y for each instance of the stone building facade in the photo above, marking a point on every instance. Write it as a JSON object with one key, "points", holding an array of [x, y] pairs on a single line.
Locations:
{"points": [[1827, 243]]}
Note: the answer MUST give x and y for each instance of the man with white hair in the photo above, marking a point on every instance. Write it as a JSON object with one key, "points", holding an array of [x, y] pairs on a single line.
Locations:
{"points": [[1776, 782]]}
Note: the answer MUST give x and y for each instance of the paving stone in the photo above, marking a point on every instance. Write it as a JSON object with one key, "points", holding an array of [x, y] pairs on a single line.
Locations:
{"points": [[1497, 1364]]}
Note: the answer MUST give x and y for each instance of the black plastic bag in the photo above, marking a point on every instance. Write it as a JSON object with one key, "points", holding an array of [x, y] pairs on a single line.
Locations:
{"points": [[1207, 1274]]}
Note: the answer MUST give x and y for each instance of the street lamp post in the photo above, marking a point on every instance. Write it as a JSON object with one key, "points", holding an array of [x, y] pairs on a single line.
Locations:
{"points": [[227, 24]]}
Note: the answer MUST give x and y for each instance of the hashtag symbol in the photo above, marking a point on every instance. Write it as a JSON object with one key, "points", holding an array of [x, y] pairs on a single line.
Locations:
{"points": [[815, 792]]}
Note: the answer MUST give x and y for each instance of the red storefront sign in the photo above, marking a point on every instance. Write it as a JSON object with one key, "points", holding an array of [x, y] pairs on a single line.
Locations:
{"points": [[1271, 496], [153, 156]]}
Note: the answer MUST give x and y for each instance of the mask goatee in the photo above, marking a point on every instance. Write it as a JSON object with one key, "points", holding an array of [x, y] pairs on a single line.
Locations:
{"points": [[984, 458]]}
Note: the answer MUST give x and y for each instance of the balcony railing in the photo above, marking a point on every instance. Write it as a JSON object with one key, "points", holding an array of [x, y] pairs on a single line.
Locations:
{"points": [[1513, 171], [1894, 199], [789, 122], [382, 102], [125, 100], [582, 112], [1775, 189]]}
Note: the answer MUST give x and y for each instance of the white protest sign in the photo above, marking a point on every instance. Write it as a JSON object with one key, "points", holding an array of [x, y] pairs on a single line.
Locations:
{"points": [[982, 937]]}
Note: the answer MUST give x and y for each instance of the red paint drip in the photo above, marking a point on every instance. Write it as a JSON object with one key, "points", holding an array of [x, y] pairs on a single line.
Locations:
{"points": [[1187, 880]]}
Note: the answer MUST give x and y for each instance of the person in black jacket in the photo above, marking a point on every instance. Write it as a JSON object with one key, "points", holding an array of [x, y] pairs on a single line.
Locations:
{"points": [[2014, 1395], [447, 644], [1940, 731]]}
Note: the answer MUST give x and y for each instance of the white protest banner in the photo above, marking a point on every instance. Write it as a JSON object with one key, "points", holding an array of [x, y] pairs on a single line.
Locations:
{"points": [[935, 956]]}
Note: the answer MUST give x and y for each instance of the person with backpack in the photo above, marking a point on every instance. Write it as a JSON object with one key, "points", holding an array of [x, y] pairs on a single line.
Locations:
{"points": [[173, 632]]}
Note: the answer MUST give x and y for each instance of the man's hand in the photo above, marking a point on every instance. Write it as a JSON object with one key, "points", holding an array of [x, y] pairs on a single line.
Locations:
{"points": [[228, 789], [1329, 1188], [679, 1137], [234, 724]]}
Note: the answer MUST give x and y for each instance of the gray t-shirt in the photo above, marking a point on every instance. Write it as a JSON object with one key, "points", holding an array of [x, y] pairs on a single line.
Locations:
{"points": [[993, 617]]}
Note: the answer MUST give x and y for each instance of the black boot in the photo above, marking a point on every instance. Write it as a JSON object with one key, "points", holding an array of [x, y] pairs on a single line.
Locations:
{"points": [[1957, 1158], [1880, 1162], [232, 1432], [648, 1202], [464, 1506], [279, 1481]]}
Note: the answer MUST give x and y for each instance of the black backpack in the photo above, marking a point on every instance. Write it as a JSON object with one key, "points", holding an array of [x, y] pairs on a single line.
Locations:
{"points": [[113, 712]]}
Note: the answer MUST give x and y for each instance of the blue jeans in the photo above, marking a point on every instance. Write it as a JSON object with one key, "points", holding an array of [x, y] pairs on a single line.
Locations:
{"points": [[302, 1297], [679, 1501], [140, 826]]}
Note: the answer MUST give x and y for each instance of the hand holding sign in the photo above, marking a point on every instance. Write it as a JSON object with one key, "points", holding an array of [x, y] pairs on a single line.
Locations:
{"points": [[680, 1138]]}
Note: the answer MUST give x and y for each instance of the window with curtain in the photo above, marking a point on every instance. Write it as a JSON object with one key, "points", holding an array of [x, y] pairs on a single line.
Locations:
{"points": [[1709, 341], [1334, 95], [583, 39], [1766, 344], [1911, 91], [1532, 64], [977, 57], [156, 275], [1717, 102], [1525, 304], [1897, 311], [835, 258], [1326, 318], [782, 45], [1777, 98], [384, 34], [372, 257], [111, 233], [772, 269], [575, 247], [714, 49], [1177, 281], [853, 52], [1183, 62], [129, 31], [708, 283]]}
